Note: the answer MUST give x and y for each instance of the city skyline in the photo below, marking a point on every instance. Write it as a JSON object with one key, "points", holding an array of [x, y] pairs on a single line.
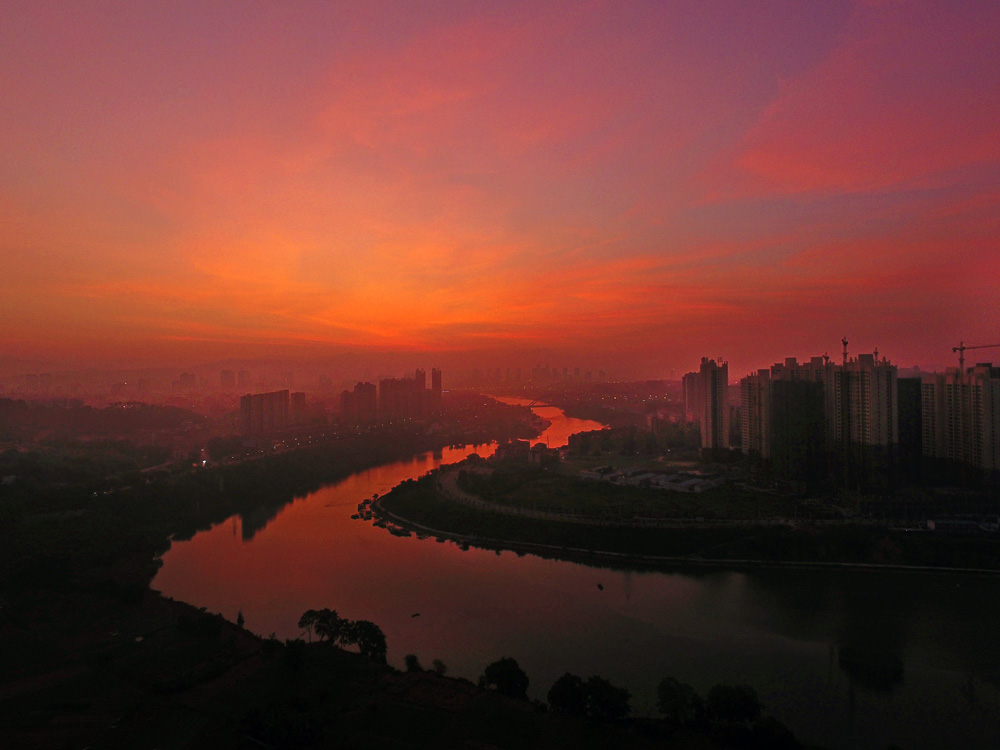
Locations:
{"points": [[576, 184]]}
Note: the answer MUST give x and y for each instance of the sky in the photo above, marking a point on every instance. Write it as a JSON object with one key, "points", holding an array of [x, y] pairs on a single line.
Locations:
{"points": [[622, 184]]}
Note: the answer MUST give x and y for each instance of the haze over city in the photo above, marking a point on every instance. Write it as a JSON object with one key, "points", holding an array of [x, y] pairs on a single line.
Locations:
{"points": [[591, 182]]}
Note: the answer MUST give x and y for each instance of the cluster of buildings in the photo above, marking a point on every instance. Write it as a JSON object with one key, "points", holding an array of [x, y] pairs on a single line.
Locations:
{"points": [[265, 414], [960, 419], [855, 423], [395, 398], [522, 451], [230, 380]]}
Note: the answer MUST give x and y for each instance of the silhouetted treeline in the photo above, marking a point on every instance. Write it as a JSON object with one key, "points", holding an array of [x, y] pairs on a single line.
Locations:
{"points": [[24, 419]]}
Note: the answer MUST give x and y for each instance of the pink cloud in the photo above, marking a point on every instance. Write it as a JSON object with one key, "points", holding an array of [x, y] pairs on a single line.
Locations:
{"points": [[910, 94]]}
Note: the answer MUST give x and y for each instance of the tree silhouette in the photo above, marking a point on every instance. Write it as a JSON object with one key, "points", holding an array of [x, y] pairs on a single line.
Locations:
{"points": [[308, 621], [596, 698], [439, 667], [326, 623], [605, 702], [412, 663], [678, 702], [329, 625], [568, 695], [507, 677], [367, 636]]}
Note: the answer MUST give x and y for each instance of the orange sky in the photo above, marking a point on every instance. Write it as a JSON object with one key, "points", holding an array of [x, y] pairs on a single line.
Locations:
{"points": [[631, 183]]}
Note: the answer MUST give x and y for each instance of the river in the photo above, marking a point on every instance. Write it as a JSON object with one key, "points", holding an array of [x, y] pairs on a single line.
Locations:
{"points": [[846, 659]]}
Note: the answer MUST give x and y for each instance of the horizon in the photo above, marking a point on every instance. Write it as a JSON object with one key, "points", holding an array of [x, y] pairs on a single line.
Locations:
{"points": [[349, 368], [627, 188]]}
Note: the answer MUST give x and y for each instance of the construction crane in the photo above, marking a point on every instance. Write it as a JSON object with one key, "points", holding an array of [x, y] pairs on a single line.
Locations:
{"points": [[961, 352]]}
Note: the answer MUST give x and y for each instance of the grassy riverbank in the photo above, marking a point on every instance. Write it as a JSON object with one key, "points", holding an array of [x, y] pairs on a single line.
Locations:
{"points": [[422, 503]]}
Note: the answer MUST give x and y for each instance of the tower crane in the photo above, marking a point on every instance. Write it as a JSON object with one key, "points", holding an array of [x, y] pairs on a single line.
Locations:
{"points": [[961, 352]]}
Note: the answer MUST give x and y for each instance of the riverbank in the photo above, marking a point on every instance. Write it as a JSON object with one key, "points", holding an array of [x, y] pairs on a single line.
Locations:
{"points": [[432, 506], [90, 656]]}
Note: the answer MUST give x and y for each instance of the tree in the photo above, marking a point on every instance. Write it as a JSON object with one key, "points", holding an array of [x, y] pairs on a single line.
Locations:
{"points": [[733, 703], [439, 667], [308, 621], [568, 695], [368, 637], [678, 702], [507, 677], [605, 702], [239, 619], [412, 663], [329, 625], [325, 622]]}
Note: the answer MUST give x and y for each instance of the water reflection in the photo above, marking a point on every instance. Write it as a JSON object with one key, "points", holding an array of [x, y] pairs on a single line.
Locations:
{"points": [[847, 659]]}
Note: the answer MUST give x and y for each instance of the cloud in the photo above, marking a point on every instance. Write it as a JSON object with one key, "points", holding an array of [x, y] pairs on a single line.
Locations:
{"points": [[907, 98]]}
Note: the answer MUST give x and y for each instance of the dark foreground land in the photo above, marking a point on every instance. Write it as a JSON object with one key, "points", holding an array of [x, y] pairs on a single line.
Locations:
{"points": [[91, 658], [91, 671]]}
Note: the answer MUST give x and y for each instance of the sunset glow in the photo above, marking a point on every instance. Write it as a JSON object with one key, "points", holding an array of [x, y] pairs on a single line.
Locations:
{"points": [[652, 181]]}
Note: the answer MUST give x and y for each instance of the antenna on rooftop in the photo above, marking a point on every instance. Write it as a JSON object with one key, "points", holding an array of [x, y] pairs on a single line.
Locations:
{"points": [[844, 342]]}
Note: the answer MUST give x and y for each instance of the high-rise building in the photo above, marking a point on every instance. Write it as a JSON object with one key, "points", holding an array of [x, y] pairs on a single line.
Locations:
{"points": [[436, 387], [359, 405], [908, 397], [713, 379], [960, 414], [243, 378], [263, 414], [401, 398], [866, 419], [795, 412], [755, 403], [694, 397], [797, 431]]}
